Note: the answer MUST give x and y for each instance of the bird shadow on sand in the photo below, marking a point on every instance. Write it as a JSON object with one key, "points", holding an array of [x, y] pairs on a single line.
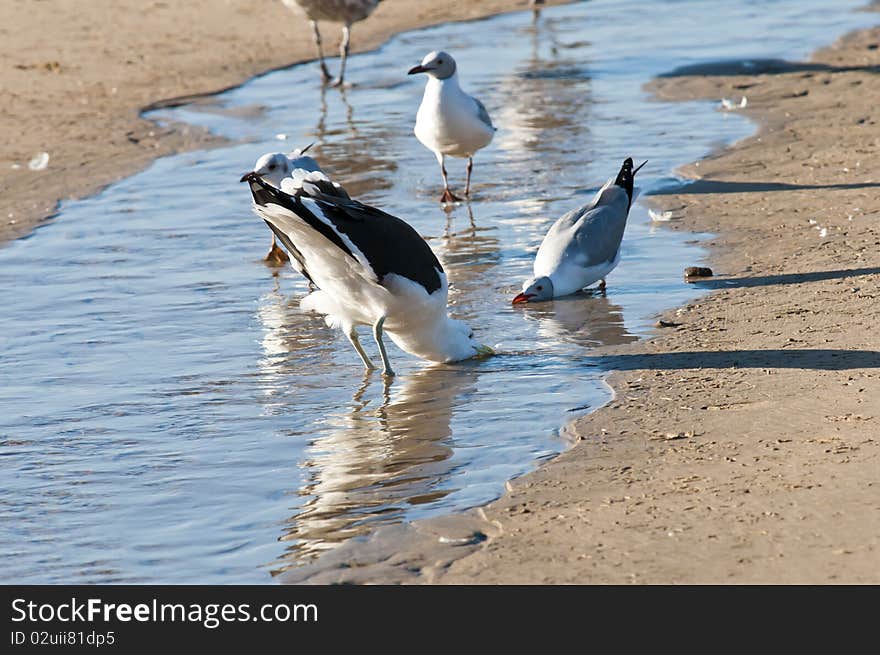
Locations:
{"points": [[785, 278], [762, 67], [808, 359], [720, 186]]}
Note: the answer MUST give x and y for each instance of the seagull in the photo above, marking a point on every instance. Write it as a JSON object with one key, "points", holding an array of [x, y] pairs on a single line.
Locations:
{"points": [[273, 167], [334, 11], [583, 246], [369, 267], [449, 121]]}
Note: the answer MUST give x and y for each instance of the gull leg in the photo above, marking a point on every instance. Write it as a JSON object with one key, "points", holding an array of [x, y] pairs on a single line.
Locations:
{"points": [[602, 286], [470, 167], [353, 338], [325, 74], [343, 54], [377, 335], [447, 196], [276, 256]]}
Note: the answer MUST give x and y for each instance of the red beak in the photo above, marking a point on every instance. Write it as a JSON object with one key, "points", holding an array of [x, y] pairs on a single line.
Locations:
{"points": [[523, 297]]}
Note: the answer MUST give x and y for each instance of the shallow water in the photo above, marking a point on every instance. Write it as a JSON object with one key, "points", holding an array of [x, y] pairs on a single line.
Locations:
{"points": [[169, 415]]}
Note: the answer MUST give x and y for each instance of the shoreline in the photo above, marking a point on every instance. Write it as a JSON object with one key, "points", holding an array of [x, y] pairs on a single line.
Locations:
{"points": [[79, 81], [741, 445]]}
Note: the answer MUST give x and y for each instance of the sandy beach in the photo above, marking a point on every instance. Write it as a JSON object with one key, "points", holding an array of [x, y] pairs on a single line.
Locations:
{"points": [[743, 442]]}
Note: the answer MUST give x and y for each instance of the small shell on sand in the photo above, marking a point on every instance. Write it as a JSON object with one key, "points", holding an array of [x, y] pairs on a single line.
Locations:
{"points": [[39, 162], [660, 217], [730, 105]]}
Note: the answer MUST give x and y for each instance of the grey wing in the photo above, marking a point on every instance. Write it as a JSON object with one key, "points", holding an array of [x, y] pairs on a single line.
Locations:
{"points": [[598, 235], [482, 114]]}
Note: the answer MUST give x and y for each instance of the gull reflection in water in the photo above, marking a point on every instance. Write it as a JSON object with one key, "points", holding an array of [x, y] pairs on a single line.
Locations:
{"points": [[469, 253], [547, 102], [339, 147], [392, 449], [371, 457], [583, 319], [293, 342]]}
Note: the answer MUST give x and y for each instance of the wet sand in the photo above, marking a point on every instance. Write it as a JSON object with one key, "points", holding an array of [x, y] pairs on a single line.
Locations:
{"points": [[78, 75]]}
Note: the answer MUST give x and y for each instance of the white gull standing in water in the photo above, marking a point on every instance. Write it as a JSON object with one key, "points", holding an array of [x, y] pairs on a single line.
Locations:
{"points": [[334, 11], [450, 122], [583, 246], [370, 268], [273, 167]]}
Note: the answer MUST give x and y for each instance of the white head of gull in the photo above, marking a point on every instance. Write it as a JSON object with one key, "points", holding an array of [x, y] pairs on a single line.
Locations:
{"points": [[333, 11], [583, 246], [450, 122], [369, 267], [273, 167]]}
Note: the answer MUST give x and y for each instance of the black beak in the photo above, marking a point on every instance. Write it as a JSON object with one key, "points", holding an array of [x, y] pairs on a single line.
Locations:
{"points": [[417, 69], [639, 167], [247, 176]]}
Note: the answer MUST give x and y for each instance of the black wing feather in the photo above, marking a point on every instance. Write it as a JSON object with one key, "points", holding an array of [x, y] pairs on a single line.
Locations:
{"points": [[390, 244], [292, 249]]}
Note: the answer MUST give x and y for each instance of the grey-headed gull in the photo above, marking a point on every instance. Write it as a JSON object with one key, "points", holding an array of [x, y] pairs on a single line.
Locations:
{"points": [[450, 122], [273, 167], [583, 246], [369, 267], [334, 11]]}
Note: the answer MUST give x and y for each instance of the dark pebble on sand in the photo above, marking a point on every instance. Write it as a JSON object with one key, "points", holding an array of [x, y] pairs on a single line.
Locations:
{"points": [[697, 271]]}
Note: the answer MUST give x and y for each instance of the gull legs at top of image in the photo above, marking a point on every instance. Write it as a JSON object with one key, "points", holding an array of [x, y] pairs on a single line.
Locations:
{"points": [[346, 12], [316, 34], [344, 46], [343, 55], [536, 8]]}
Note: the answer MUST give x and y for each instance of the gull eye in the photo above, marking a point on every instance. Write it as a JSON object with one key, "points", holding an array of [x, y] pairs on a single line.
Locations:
{"points": [[272, 167], [539, 288]]}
